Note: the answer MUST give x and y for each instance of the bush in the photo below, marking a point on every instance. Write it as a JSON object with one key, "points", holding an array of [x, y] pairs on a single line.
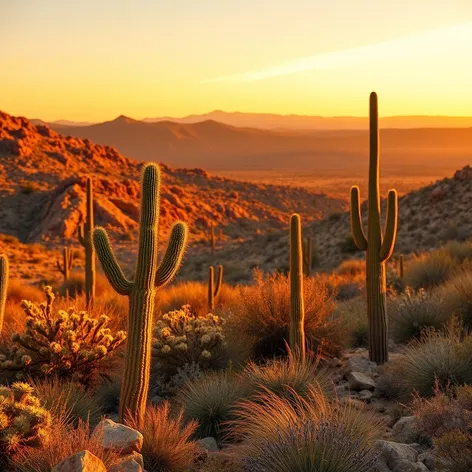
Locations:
{"points": [[457, 294], [436, 359], [278, 435], [351, 267], [454, 452], [348, 245], [23, 420], [188, 372], [410, 313], [211, 401], [67, 401], [264, 316], [167, 446], [66, 344], [287, 378], [353, 317], [429, 270], [182, 338]]}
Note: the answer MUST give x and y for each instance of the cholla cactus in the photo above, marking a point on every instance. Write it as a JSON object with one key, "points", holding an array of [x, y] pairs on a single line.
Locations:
{"points": [[23, 422], [181, 338], [66, 343]]}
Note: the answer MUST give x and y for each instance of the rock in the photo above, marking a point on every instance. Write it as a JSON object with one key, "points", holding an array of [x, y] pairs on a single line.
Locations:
{"points": [[427, 458], [83, 461], [208, 444], [359, 364], [397, 457], [129, 465], [365, 395], [405, 430], [334, 362], [360, 381], [118, 436], [134, 456]]}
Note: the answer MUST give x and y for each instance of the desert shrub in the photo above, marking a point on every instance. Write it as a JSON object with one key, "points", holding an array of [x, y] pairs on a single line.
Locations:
{"points": [[66, 441], [459, 251], [412, 312], [186, 373], [195, 294], [167, 445], [264, 316], [18, 291], [63, 343], [436, 359], [447, 418], [429, 270], [211, 401], [457, 295], [180, 338], [348, 245], [390, 382], [107, 394], [287, 378], [353, 316], [23, 420], [348, 291], [351, 267], [67, 401], [277, 435]]}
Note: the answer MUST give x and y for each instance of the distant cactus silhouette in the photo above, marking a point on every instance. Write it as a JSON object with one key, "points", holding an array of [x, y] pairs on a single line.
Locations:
{"points": [[212, 239], [149, 277], [3, 286], [297, 308], [85, 232], [379, 249], [401, 267], [308, 254], [214, 290]]}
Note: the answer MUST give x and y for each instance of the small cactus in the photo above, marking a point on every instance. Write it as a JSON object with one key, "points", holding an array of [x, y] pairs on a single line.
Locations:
{"points": [[23, 421], [214, 290], [379, 247], [297, 309], [308, 255], [3, 286], [64, 269], [85, 232], [148, 278]]}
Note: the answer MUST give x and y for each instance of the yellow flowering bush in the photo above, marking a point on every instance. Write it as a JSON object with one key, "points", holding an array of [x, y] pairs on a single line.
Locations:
{"points": [[63, 343], [181, 338], [23, 422]]}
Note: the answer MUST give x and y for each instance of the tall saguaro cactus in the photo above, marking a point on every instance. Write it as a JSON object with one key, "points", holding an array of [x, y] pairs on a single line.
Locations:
{"points": [[214, 290], [379, 248], [85, 232], [3, 286], [308, 254], [149, 276], [297, 308]]}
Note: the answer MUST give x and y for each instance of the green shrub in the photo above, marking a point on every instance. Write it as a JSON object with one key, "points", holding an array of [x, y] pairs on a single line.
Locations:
{"points": [[457, 294], [211, 401], [278, 435], [182, 338], [412, 312], [263, 316], [429, 270], [167, 445], [66, 344]]}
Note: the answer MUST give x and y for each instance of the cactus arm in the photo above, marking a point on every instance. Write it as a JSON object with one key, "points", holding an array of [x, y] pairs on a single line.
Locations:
{"points": [[59, 267], [174, 254], [356, 220], [219, 281], [109, 263], [3, 286], [390, 236]]}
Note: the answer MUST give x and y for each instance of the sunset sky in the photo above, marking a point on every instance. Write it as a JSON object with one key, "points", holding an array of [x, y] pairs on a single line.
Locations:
{"points": [[93, 60]]}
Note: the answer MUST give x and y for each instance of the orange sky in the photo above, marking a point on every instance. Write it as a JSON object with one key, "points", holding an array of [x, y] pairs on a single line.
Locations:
{"points": [[94, 60]]}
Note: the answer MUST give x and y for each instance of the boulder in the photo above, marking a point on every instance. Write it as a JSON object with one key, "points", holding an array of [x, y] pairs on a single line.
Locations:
{"points": [[208, 444], [405, 430], [118, 436], [361, 364], [129, 465], [397, 457], [365, 395], [83, 461], [360, 381]]}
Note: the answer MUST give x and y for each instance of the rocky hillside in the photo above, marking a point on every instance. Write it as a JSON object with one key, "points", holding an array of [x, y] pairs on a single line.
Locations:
{"points": [[42, 191], [428, 218]]}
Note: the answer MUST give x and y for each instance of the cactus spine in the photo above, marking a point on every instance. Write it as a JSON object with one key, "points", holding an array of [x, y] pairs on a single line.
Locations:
{"points": [[85, 232], [214, 291], [297, 309], [3, 286], [308, 255], [379, 248], [148, 278]]}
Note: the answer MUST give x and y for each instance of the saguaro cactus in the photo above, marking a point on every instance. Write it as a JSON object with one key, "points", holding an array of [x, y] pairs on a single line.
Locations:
{"points": [[297, 308], [148, 278], [379, 248], [85, 232], [308, 254], [67, 261], [3, 286], [212, 239], [214, 290], [402, 267]]}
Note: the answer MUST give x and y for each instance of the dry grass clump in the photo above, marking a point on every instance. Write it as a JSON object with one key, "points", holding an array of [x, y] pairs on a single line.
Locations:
{"points": [[66, 441], [353, 316], [279, 435], [429, 270], [264, 316], [457, 295], [352, 267], [195, 294], [411, 312], [167, 445]]}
